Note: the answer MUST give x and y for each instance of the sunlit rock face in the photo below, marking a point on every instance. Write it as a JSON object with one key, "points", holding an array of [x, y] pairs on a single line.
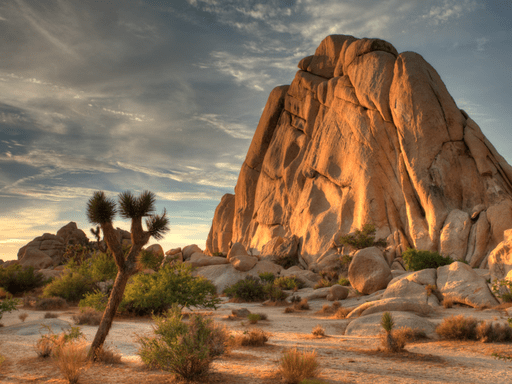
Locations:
{"points": [[367, 135]]}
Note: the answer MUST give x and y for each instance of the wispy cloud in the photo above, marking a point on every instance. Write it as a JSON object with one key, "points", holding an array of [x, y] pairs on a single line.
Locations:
{"points": [[188, 196], [447, 10], [235, 130], [480, 43]]}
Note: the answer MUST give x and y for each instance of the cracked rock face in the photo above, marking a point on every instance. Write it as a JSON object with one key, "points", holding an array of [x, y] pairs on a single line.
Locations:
{"points": [[367, 135]]}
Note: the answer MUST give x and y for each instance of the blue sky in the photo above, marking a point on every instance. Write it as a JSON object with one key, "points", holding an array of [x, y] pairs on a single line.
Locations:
{"points": [[165, 95]]}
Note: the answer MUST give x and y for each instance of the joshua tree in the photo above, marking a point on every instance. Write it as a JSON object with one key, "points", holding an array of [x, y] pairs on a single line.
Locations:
{"points": [[101, 211]]}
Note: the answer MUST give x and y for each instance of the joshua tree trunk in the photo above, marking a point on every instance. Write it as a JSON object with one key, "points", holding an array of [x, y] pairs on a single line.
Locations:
{"points": [[114, 300]]}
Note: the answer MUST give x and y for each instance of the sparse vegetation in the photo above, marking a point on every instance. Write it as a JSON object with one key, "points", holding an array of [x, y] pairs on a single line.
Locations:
{"points": [[253, 289], [267, 277], [296, 365], [416, 260], [149, 260], [502, 289], [253, 318], [318, 331], [489, 332], [16, 279], [363, 238], [50, 342], [447, 302], [107, 355], [71, 359], [50, 303], [50, 315], [343, 281], [391, 340], [288, 283], [458, 328], [23, 316], [97, 300], [341, 313], [8, 305], [71, 286], [185, 349], [172, 284], [87, 316], [252, 338]]}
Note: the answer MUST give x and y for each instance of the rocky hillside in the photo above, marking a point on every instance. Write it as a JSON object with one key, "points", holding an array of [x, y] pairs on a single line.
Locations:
{"points": [[367, 135]]}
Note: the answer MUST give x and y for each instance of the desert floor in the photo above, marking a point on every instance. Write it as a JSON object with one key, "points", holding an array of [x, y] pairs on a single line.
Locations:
{"points": [[343, 359]]}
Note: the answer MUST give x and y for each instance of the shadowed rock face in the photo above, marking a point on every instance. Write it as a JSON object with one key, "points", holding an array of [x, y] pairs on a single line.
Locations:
{"points": [[366, 135]]}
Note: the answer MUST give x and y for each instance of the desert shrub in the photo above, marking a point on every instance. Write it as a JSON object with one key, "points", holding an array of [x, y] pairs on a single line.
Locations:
{"points": [[264, 316], [8, 305], [318, 330], [416, 260], [447, 302], [323, 283], [390, 342], [295, 365], [185, 349], [502, 289], [341, 313], [16, 279], [3, 293], [172, 284], [50, 303], [345, 261], [99, 266], [71, 286], [289, 310], [50, 342], [23, 316], [248, 289], [288, 282], [343, 281], [301, 305], [149, 260], [363, 238], [253, 318], [458, 328], [252, 338], [50, 315], [87, 316], [97, 300], [71, 359], [274, 293], [77, 252], [107, 355], [404, 335], [489, 332], [267, 277]]}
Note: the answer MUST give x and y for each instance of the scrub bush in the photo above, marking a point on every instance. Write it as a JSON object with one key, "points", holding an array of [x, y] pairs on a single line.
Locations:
{"points": [[416, 260]]}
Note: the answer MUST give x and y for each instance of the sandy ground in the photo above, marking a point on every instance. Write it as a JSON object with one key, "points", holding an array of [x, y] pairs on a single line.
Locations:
{"points": [[343, 359]]}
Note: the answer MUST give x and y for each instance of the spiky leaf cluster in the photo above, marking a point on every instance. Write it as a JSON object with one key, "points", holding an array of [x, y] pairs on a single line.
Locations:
{"points": [[131, 207], [158, 225], [100, 209]]}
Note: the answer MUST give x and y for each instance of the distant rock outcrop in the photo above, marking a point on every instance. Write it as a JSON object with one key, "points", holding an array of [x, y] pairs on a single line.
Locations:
{"points": [[367, 135], [47, 250]]}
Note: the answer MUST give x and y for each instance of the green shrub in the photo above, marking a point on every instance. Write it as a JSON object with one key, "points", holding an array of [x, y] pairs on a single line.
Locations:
{"points": [[99, 267], [343, 281], [267, 277], [50, 303], [149, 260], [185, 349], [8, 305], [502, 289], [71, 286], [248, 289], [323, 283], [16, 279], [288, 282], [274, 293], [96, 300], [172, 284], [253, 318], [363, 238], [416, 260], [77, 252]]}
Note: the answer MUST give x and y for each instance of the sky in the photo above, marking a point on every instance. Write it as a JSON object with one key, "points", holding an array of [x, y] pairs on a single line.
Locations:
{"points": [[166, 95]]}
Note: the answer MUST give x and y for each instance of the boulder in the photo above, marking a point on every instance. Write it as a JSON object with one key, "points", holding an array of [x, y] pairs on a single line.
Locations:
{"points": [[337, 292], [314, 294], [50, 273], [237, 249], [369, 271], [500, 259], [189, 250], [198, 259], [454, 235], [243, 263], [156, 249], [221, 230], [72, 235], [225, 275], [171, 259], [282, 251], [390, 305], [463, 285], [413, 287], [36, 258], [370, 325], [242, 312], [173, 251]]}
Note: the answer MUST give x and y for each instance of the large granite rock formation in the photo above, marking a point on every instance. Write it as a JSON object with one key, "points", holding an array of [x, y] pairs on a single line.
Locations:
{"points": [[367, 135]]}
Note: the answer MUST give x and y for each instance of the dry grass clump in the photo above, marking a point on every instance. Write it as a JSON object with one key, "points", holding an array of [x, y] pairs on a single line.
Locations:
{"points": [[342, 313], [295, 365], [448, 302], [263, 316], [488, 332], [71, 359], [390, 342], [51, 315], [318, 331], [23, 316], [252, 338], [107, 355], [88, 316], [44, 346], [51, 303], [404, 335], [458, 328], [301, 305], [289, 310]]}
